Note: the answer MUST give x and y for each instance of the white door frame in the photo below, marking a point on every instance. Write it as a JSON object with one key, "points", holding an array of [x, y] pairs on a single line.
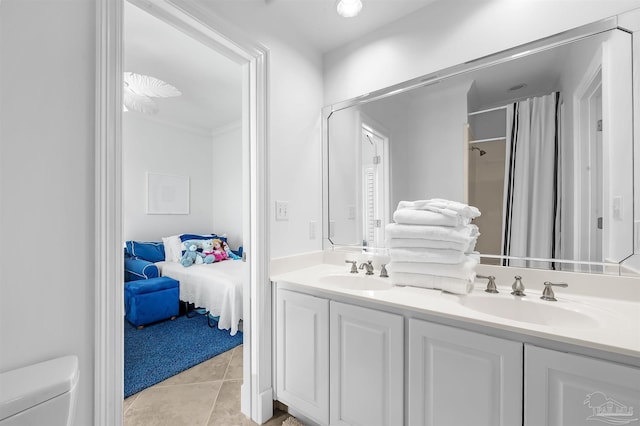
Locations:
{"points": [[366, 123], [583, 132], [257, 393]]}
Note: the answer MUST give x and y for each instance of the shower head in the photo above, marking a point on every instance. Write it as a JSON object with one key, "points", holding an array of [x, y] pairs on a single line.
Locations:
{"points": [[481, 151]]}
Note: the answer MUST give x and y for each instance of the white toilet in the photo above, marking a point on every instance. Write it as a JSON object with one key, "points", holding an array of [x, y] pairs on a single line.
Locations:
{"points": [[40, 394]]}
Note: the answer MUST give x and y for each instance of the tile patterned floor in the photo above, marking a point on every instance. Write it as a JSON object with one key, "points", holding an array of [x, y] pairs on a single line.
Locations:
{"points": [[205, 395]]}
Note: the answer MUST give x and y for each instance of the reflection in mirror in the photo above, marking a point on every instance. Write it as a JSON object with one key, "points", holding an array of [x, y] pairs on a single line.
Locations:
{"points": [[540, 143]]}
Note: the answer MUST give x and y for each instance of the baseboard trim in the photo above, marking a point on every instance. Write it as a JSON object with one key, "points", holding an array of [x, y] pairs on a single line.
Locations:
{"points": [[265, 406]]}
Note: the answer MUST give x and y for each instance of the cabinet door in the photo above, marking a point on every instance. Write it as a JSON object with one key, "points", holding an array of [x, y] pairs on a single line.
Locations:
{"points": [[302, 353], [458, 377], [567, 389], [367, 367]]}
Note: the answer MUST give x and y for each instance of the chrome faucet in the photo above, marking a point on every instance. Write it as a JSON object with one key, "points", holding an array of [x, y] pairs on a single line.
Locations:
{"points": [[368, 266], [547, 293], [354, 268], [491, 285], [518, 287]]}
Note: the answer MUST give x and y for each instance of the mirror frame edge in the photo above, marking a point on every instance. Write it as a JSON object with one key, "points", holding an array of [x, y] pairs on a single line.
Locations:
{"points": [[630, 21]]}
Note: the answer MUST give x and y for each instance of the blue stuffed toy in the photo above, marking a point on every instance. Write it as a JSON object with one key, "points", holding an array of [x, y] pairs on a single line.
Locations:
{"points": [[207, 251], [191, 255]]}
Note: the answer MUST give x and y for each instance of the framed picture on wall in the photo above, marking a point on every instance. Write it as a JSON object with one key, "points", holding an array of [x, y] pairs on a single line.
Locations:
{"points": [[167, 194]]}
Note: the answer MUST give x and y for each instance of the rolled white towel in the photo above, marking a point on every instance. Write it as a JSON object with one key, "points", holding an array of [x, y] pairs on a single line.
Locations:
{"points": [[446, 207], [418, 254], [426, 217], [463, 270], [451, 285], [461, 234], [425, 243]]}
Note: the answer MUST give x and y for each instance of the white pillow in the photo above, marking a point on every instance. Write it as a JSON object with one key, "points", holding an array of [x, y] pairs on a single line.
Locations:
{"points": [[172, 248]]}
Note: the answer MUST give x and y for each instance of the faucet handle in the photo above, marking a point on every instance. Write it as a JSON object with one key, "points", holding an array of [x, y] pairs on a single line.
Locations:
{"points": [[354, 268], [547, 293], [518, 287], [383, 271], [491, 285]]}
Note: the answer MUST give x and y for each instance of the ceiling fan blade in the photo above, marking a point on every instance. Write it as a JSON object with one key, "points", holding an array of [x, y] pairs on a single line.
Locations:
{"points": [[149, 86], [140, 103]]}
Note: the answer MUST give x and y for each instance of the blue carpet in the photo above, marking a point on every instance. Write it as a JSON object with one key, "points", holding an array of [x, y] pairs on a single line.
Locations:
{"points": [[161, 350]]}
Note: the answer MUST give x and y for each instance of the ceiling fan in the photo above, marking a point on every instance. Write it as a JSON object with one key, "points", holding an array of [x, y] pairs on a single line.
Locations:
{"points": [[139, 90]]}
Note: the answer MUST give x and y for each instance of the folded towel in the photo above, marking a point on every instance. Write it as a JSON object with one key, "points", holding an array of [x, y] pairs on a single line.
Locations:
{"points": [[451, 285], [461, 234], [425, 243], [464, 270], [472, 245], [426, 217], [446, 207], [417, 254]]}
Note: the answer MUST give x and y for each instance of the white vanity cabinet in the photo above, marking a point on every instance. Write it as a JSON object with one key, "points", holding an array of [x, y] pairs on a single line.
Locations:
{"points": [[352, 353], [567, 389], [459, 377], [342, 364], [367, 367], [302, 353]]}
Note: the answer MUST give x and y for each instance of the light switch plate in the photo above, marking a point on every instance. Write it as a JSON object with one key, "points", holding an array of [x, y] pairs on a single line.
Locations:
{"points": [[312, 229], [282, 210]]}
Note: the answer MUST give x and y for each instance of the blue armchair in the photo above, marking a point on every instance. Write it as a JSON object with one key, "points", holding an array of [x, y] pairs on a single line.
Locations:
{"points": [[148, 297]]}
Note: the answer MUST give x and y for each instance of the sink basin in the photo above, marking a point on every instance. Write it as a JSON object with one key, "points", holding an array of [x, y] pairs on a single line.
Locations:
{"points": [[357, 282], [533, 311]]}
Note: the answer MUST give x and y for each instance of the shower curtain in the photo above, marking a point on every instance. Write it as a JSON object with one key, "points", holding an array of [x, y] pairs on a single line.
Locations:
{"points": [[532, 180]]}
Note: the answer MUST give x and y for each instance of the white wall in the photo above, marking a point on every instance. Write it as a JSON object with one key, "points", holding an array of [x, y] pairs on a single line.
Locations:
{"points": [[226, 186], [344, 135], [294, 129], [449, 32], [436, 143], [47, 96], [295, 145], [150, 146]]}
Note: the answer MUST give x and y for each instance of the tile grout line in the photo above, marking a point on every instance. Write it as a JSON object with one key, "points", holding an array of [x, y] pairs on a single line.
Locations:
{"points": [[224, 378], [215, 400], [135, 398]]}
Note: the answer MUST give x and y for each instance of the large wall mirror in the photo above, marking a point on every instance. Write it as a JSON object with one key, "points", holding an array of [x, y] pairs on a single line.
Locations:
{"points": [[539, 138]]}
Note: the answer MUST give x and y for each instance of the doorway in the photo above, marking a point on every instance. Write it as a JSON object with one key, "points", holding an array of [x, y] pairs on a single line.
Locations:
{"points": [[182, 113], [589, 169], [252, 57], [374, 160]]}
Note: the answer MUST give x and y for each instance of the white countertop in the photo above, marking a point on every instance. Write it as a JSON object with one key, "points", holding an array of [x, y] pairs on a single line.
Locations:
{"points": [[610, 324]]}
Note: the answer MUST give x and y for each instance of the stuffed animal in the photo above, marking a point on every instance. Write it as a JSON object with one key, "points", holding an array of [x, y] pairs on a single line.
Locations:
{"points": [[218, 250], [191, 255], [231, 254], [207, 251]]}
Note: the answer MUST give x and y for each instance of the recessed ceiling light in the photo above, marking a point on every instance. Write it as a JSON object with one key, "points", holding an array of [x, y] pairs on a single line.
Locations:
{"points": [[349, 8]]}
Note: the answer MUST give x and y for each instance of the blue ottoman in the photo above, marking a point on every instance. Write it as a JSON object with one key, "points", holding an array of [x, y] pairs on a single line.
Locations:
{"points": [[147, 301]]}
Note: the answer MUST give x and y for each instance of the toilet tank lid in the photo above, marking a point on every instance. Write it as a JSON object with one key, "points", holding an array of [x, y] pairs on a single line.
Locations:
{"points": [[28, 386]]}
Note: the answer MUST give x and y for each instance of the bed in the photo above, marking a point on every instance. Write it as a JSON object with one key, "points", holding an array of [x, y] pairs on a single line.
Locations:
{"points": [[216, 287]]}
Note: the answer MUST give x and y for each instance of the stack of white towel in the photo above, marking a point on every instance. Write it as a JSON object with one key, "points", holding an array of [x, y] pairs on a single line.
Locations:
{"points": [[431, 245]]}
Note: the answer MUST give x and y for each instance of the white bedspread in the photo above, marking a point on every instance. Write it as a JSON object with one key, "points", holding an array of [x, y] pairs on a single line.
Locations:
{"points": [[216, 287]]}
